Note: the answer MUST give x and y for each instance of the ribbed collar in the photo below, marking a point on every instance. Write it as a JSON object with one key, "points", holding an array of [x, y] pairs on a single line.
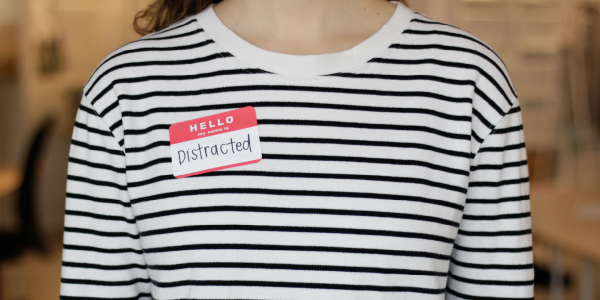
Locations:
{"points": [[305, 65]]}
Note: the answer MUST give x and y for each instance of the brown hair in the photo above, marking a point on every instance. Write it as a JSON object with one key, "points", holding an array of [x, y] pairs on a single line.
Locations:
{"points": [[163, 13]]}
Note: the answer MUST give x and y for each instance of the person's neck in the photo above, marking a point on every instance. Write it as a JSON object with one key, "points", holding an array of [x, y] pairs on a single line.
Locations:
{"points": [[304, 27]]}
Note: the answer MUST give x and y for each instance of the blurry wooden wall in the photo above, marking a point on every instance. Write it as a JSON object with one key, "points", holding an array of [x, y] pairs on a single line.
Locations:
{"points": [[48, 50]]}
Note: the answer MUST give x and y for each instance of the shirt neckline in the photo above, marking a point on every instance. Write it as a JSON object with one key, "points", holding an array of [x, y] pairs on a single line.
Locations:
{"points": [[304, 65]]}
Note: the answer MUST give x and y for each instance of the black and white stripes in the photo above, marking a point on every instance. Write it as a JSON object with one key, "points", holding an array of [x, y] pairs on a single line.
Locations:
{"points": [[404, 177]]}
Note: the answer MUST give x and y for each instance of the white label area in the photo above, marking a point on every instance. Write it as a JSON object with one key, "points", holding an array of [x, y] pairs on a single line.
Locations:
{"points": [[216, 152]]}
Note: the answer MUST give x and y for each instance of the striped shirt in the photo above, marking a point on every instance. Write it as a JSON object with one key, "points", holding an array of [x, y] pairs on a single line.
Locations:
{"points": [[393, 170]]}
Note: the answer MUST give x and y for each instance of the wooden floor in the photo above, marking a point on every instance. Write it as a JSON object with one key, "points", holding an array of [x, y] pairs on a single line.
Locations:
{"points": [[32, 276]]}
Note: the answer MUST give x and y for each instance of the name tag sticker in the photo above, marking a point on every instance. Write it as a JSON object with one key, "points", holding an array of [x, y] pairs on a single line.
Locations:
{"points": [[216, 142]]}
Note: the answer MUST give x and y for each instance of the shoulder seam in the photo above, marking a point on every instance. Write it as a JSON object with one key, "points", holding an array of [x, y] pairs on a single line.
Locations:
{"points": [[494, 129], [112, 135]]}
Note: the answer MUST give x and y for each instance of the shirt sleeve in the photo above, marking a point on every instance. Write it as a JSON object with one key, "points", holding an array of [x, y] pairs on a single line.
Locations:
{"points": [[102, 254], [492, 255]]}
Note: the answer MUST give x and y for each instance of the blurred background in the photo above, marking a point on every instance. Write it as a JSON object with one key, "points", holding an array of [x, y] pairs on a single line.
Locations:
{"points": [[49, 48]]}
